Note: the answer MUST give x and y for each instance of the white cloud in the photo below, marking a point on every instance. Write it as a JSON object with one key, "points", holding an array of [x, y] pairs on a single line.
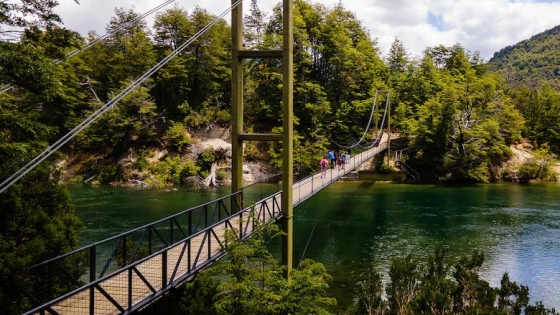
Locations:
{"points": [[484, 25]]}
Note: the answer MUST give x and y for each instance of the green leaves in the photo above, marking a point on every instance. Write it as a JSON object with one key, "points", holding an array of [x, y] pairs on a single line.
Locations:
{"points": [[531, 62], [439, 288], [253, 283], [460, 124]]}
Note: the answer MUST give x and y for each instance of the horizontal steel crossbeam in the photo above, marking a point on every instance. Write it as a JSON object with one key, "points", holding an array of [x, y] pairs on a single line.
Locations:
{"points": [[259, 54], [260, 137]]}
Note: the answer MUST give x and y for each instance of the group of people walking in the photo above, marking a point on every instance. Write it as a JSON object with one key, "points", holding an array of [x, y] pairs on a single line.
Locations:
{"points": [[336, 160]]}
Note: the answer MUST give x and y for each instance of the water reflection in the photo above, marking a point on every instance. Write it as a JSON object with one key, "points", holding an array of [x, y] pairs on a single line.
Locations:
{"points": [[363, 223], [516, 227]]}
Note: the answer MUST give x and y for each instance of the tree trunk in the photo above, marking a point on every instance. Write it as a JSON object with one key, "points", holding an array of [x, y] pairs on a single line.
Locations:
{"points": [[211, 179]]}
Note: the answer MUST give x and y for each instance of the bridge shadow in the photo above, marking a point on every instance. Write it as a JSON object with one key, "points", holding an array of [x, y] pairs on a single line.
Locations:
{"points": [[366, 184]]}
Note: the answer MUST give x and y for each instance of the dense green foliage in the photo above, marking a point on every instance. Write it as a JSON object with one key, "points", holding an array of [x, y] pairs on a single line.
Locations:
{"points": [[531, 62], [532, 68], [458, 117], [252, 282], [37, 219], [440, 288]]}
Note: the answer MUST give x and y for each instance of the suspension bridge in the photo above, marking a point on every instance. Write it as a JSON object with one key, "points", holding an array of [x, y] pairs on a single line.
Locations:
{"points": [[176, 248], [126, 272]]}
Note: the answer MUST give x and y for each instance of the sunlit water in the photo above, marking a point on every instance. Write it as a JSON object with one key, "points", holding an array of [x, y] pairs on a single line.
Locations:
{"points": [[361, 223]]}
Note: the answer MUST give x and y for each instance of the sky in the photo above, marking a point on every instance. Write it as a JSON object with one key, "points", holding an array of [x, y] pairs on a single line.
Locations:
{"points": [[479, 25]]}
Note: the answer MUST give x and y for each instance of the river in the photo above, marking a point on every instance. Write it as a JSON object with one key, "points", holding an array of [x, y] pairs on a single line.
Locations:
{"points": [[362, 223]]}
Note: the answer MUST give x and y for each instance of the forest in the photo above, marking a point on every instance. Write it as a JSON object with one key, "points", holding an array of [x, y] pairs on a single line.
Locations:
{"points": [[457, 117], [456, 114], [531, 62]]}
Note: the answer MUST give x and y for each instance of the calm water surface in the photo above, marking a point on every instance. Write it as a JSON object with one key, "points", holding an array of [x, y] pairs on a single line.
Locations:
{"points": [[362, 223]]}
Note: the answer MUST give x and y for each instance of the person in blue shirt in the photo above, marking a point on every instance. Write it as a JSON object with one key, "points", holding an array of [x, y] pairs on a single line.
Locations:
{"points": [[332, 158]]}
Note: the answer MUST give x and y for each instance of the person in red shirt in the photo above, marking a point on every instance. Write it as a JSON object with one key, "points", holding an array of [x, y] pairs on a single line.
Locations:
{"points": [[324, 165]]}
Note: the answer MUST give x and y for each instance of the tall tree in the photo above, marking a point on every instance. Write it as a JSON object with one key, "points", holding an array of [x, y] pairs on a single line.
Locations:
{"points": [[398, 57], [255, 24], [37, 220]]}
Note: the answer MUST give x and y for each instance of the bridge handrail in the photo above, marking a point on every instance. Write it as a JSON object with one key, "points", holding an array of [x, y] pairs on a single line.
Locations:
{"points": [[407, 168], [166, 281], [115, 237], [130, 266]]}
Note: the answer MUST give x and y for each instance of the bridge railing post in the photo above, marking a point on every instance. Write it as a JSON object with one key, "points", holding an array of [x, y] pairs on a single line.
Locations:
{"points": [[150, 249], [171, 231], [92, 277], [124, 250], [312, 176], [164, 269], [129, 288], [189, 222]]}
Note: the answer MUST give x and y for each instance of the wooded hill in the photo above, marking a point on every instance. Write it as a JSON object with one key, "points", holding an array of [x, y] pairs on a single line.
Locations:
{"points": [[531, 62], [457, 117]]}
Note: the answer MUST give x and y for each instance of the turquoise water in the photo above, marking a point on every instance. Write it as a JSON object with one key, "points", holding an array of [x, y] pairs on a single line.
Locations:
{"points": [[362, 223]]}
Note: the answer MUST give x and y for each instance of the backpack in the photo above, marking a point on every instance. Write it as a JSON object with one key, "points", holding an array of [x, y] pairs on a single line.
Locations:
{"points": [[324, 162]]}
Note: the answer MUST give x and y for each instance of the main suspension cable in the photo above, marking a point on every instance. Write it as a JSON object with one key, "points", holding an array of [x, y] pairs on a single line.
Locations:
{"points": [[58, 144], [367, 127], [7, 87], [380, 135]]}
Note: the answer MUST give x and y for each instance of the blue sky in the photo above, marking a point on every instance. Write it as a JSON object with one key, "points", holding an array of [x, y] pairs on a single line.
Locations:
{"points": [[483, 25], [436, 20]]}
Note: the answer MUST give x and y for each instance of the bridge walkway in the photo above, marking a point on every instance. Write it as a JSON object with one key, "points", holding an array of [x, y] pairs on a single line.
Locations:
{"points": [[137, 284]]}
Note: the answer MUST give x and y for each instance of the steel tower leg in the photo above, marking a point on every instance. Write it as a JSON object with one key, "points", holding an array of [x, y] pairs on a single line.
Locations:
{"points": [[288, 138], [236, 104]]}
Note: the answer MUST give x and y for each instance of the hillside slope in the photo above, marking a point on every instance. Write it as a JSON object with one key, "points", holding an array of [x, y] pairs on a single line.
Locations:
{"points": [[531, 62]]}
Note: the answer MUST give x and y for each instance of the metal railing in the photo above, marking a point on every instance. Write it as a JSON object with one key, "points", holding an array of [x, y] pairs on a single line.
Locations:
{"points": [[128, 288], [65, 273], [154, 260], [405, 167], [308, 186]]}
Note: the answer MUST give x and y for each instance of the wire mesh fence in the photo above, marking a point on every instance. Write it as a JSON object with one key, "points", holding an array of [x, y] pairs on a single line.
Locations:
{"points": [[127, 289], [68, 272], [127, 271]]}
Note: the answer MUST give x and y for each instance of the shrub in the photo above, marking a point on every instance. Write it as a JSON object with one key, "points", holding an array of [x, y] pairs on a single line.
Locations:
{"points": [[177, 136], [168, 170], [385, 169], [222, 174], [205, 159], [188, 169], [104, 174], [141, 163], [538, 167]]}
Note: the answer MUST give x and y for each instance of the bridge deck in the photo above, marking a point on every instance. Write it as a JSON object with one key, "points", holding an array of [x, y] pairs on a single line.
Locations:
{"points": [[139, 283]]}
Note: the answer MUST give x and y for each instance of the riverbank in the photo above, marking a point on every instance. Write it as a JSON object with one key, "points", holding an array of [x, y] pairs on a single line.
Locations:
{"points": [[206, 161], [203, 161]]}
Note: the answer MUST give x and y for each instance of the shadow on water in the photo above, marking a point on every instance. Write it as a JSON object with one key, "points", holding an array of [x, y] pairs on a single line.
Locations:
{"points": [[366, 184]]}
